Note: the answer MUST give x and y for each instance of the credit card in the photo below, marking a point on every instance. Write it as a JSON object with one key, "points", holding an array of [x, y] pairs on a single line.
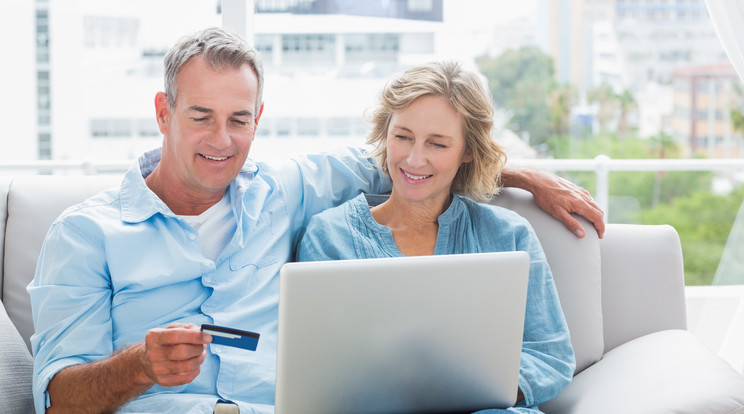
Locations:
{"points": [[222, 335]]}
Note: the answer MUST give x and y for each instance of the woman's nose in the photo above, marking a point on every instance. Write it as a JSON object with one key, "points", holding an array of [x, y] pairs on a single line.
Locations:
{"points": [[416, 158]]}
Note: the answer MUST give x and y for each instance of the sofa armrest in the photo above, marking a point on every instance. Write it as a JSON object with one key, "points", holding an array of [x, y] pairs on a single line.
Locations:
{"points": [[642, 282], [4, 189], [16, 369], [664, 372]]}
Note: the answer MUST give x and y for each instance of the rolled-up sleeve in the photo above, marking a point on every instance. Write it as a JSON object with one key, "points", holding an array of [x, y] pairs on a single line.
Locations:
{"points": [[71, 305], [548, 362]]}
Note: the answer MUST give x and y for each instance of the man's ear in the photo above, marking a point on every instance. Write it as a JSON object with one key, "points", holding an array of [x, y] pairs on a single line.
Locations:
{"points": [[162, 112], [258, 116]]}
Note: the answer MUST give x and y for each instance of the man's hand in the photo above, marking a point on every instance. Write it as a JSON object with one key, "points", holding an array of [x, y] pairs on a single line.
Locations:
{"points": [[168, 357], [172, 356], [558, 197]]}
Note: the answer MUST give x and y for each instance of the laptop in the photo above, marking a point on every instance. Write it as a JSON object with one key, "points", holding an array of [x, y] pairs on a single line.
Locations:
{"points": [[401, 335]]}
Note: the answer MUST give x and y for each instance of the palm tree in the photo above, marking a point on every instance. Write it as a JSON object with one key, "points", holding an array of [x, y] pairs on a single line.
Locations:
{"points": [[560, 102], [604, 97], [626, 102]]}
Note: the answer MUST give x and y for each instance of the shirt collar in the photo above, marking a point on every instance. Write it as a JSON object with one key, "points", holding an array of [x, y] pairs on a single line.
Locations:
{"points": [[139, 203], [453, 211]]}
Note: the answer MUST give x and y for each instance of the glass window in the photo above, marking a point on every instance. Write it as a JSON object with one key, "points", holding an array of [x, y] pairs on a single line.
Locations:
{"points": [[99, 128], [420, 5], [121, 127], [147, 127], [308, 126], [338, 126], [628, 79]]}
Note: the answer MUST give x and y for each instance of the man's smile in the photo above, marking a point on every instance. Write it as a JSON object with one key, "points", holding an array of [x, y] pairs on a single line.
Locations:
{"points": [[210, 157]]}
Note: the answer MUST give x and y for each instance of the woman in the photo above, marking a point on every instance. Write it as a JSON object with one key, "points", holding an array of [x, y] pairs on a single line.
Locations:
{"points": [[432, 132]]}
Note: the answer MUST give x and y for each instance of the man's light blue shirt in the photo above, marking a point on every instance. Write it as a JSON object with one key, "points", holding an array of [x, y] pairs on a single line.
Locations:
{"points": [[122, 262], [547, 363]]}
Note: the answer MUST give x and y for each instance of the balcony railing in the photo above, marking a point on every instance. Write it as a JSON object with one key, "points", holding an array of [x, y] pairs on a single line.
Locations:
{"points": [[603, 165]]}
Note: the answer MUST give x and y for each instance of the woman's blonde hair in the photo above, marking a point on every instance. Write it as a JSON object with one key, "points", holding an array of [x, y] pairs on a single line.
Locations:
{"points": [[467, 94]]}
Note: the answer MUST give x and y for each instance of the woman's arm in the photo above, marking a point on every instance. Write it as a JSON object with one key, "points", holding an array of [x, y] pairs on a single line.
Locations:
{"points": [[548, 362]]}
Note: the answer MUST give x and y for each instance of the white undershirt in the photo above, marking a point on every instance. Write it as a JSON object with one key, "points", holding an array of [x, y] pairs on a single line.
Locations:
{"points": [[216, 227]]}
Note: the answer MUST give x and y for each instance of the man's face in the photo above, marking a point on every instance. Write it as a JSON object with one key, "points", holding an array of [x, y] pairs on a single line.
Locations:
{"points": [[209, 131]]}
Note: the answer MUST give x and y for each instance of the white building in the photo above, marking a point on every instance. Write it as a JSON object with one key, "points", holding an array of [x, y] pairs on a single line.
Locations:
{"points": [[97, 64], [18, 84]]}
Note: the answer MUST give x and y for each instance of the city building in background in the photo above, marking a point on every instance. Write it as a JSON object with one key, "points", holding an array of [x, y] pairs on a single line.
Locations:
{"points": [[639, 46], [703, 98]]}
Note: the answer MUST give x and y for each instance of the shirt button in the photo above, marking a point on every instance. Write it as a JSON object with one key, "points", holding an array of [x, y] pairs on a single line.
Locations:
{"points": [[192, 236], [206, 262], [216, 349]]}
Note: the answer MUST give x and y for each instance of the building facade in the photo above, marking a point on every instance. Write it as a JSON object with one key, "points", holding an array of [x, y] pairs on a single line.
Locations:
{"points": [[702, 122]]}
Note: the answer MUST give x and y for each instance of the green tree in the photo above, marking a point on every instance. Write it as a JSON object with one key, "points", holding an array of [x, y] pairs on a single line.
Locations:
{"points": [[520, 82], [737, 116], [560, 101], [682, 199], [663, 146], [703, 221], [604, 97], [612, 106], [626, 103]]}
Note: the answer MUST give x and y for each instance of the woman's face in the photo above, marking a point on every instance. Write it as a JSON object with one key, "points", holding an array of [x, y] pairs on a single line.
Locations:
{"points": [[425, 147]]}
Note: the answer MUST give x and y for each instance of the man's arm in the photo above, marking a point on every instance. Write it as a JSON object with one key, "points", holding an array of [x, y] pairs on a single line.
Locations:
{"points": [[168, 357], [557, 196]]}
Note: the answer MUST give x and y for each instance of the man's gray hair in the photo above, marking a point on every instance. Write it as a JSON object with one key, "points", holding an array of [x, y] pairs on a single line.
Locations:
{"points": [[221, 49]]}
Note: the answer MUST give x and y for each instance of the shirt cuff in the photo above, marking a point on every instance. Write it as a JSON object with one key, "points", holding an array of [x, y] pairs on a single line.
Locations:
{"points": [[42, 400], [529, 397]]}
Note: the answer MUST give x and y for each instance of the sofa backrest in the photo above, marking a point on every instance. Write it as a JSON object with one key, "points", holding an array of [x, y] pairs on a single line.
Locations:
{"points": [[34, 202], [577, 270]]}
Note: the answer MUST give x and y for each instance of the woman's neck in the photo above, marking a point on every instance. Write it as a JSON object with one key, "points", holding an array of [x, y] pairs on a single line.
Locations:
{"points": [[414, 224]]}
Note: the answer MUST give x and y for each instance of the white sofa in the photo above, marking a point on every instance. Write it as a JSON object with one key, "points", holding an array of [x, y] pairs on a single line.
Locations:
{"points": [[623, 297]]}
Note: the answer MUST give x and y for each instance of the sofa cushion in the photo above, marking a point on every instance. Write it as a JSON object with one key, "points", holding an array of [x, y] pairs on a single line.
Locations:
{"points": [[34, 202], [663, 372], [576, 267], [17, 369]]}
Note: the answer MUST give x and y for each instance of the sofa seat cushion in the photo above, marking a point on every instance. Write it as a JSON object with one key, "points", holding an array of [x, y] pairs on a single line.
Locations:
{"points": [[663, 372]]}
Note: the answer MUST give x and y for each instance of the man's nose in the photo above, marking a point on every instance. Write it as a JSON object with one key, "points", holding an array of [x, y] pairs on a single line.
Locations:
{"points": [[219, 137]]}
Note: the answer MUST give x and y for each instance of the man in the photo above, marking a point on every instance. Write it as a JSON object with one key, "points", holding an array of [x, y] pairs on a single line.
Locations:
{"points": [[196, 233]]}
